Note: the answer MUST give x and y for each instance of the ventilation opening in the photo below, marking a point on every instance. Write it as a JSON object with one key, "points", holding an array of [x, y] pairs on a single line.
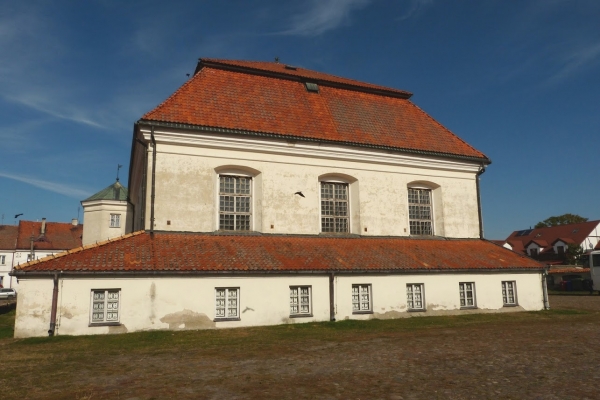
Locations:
{"points": [[291, 67], [312, 87]]}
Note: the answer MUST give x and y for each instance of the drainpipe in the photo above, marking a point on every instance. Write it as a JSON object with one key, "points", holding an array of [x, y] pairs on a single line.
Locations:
{"points": [[479, 173], [545, 289], [331, 298], [54, 304], [31, 252], [153, 180]]}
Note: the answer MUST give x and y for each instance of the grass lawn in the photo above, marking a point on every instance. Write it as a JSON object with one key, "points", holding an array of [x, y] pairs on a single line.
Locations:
{"points": [[346, 359]]}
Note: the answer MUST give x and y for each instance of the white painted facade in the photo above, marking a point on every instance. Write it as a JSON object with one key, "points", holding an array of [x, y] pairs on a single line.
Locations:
{"points": [[188, 166], [99, 222], [6, 262], [179, 303]]}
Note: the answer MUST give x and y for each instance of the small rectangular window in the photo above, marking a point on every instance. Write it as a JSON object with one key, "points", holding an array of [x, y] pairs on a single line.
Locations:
{"points": [[420, 216], [300, 301], [533, 251], [115, 220], [467, 294], [414, 297], [2, 260], [105, 306], [361, 299], [227, 304], [509, 293], [235, 200], [334, 207], [560, 249]]}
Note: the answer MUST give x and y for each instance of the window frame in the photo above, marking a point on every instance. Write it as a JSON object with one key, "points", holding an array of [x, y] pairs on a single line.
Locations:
{"points": [[505, 301], [412, 292], [298, 296], [235, 174], [115, 220], [348, 206], [227, 316], [2, 259], [105, 321], [431, 209], [473, 295], [370, 293]]}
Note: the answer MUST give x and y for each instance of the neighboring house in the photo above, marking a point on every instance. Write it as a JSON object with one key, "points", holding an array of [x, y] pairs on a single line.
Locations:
{"points": [[105, 214], [32, 241], [262, 193], [549, 245]]}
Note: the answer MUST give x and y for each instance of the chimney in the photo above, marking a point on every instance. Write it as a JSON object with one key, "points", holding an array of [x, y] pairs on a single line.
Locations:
{"points": [[43, 231], [74, 222]]}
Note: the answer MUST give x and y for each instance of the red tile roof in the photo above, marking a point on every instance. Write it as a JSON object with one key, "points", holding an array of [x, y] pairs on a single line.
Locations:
{"points": [[58, 235], [184, 252], [8, 237], [569, 270], [266, 98]]}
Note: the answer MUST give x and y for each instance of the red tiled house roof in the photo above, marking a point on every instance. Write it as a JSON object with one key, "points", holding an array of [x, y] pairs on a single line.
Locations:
{"points": [[58, 235], [169, 252], [8, 237], [266, 98]]}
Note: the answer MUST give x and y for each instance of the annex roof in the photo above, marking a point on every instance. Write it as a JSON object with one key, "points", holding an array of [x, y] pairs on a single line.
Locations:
{"points": [[272, 99], [8, 236], [142, 252], [569, 233], [57, 236], [116, 191]]}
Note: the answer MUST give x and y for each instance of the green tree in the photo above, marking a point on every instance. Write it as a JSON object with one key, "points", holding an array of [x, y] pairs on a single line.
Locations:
{"points": [[573, 254], [561, 220]]}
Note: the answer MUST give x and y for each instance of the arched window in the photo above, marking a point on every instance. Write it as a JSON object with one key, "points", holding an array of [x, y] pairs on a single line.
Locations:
{"points": [[236, 192], [421, 212], [339, 196]]}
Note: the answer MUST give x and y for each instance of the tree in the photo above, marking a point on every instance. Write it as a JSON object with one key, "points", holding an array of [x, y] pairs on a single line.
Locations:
{"points": [[561, 220], [573, 254]]}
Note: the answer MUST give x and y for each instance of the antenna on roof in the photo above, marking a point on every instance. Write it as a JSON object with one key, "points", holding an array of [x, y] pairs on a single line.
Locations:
{"points": [[277, 60], [118, 168]]}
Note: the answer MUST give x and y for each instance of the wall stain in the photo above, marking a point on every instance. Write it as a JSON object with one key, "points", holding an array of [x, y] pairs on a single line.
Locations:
{"points": [[247, 309], [187, 319]]}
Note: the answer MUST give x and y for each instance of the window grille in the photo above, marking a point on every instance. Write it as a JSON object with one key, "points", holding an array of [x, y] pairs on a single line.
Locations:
{"points": [[115, 220], [334, 207], [509, 293], [414, 296], [467, 294], [361, 298], [419, 211], [227, 303], [300, 301], [105, 306], [235, 198]]}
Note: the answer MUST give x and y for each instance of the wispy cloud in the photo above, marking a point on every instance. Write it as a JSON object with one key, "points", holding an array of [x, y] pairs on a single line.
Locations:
{"points": [[47, 185], [323, 16], [575, 61], [415, 7]]}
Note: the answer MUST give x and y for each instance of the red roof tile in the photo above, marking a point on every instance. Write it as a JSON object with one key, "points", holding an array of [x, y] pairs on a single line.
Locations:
{"points": [[185, 252], [8, 237], [569, 270], [58, 235], [262, 97]]}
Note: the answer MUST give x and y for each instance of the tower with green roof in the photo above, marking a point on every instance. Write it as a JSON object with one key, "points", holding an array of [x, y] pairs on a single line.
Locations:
{"points": [[106, 214]]}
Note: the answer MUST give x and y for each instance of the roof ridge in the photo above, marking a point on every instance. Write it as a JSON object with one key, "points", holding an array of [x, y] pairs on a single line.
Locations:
{"points": [[78, 249]]}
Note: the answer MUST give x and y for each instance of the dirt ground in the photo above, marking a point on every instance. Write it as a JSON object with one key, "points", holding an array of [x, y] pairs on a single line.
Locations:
{"points": [[529, 356]]}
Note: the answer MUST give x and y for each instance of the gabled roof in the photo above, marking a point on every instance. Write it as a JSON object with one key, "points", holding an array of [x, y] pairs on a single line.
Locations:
{"points": [[540, 243], [270, 99], [57, 236], [116, 191], [8, 237], [576, 233], [170, 252]]}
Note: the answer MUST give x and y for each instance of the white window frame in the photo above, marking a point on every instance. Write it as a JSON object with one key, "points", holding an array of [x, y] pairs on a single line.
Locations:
{"points": [[235, 174], [431, 209], [348, 205], [3, 260], [115, 221], [506, 287], [224, 303], [299, 299], [464, 288], [358, 301], [413, 291], [107, 305]]}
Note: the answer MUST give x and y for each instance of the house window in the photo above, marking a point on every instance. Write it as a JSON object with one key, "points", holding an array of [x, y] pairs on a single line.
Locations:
{"points": [[115, 220], [105, 306], [361, 299], [334, 207], [467, 294], [235, 197], [420, 212], [560, 249], [2, 260], [30, 257], [533, 251], [509, 293], [300, 303], [414, 296], [227, 303]]}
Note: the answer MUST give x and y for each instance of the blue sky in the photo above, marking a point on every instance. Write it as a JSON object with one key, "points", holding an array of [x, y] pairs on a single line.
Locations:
{"points": [[519, 80]]}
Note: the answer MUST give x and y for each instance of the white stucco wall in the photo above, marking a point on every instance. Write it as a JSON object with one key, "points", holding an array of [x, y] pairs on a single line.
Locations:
{"points": [[186, 187], [189, 303]]}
